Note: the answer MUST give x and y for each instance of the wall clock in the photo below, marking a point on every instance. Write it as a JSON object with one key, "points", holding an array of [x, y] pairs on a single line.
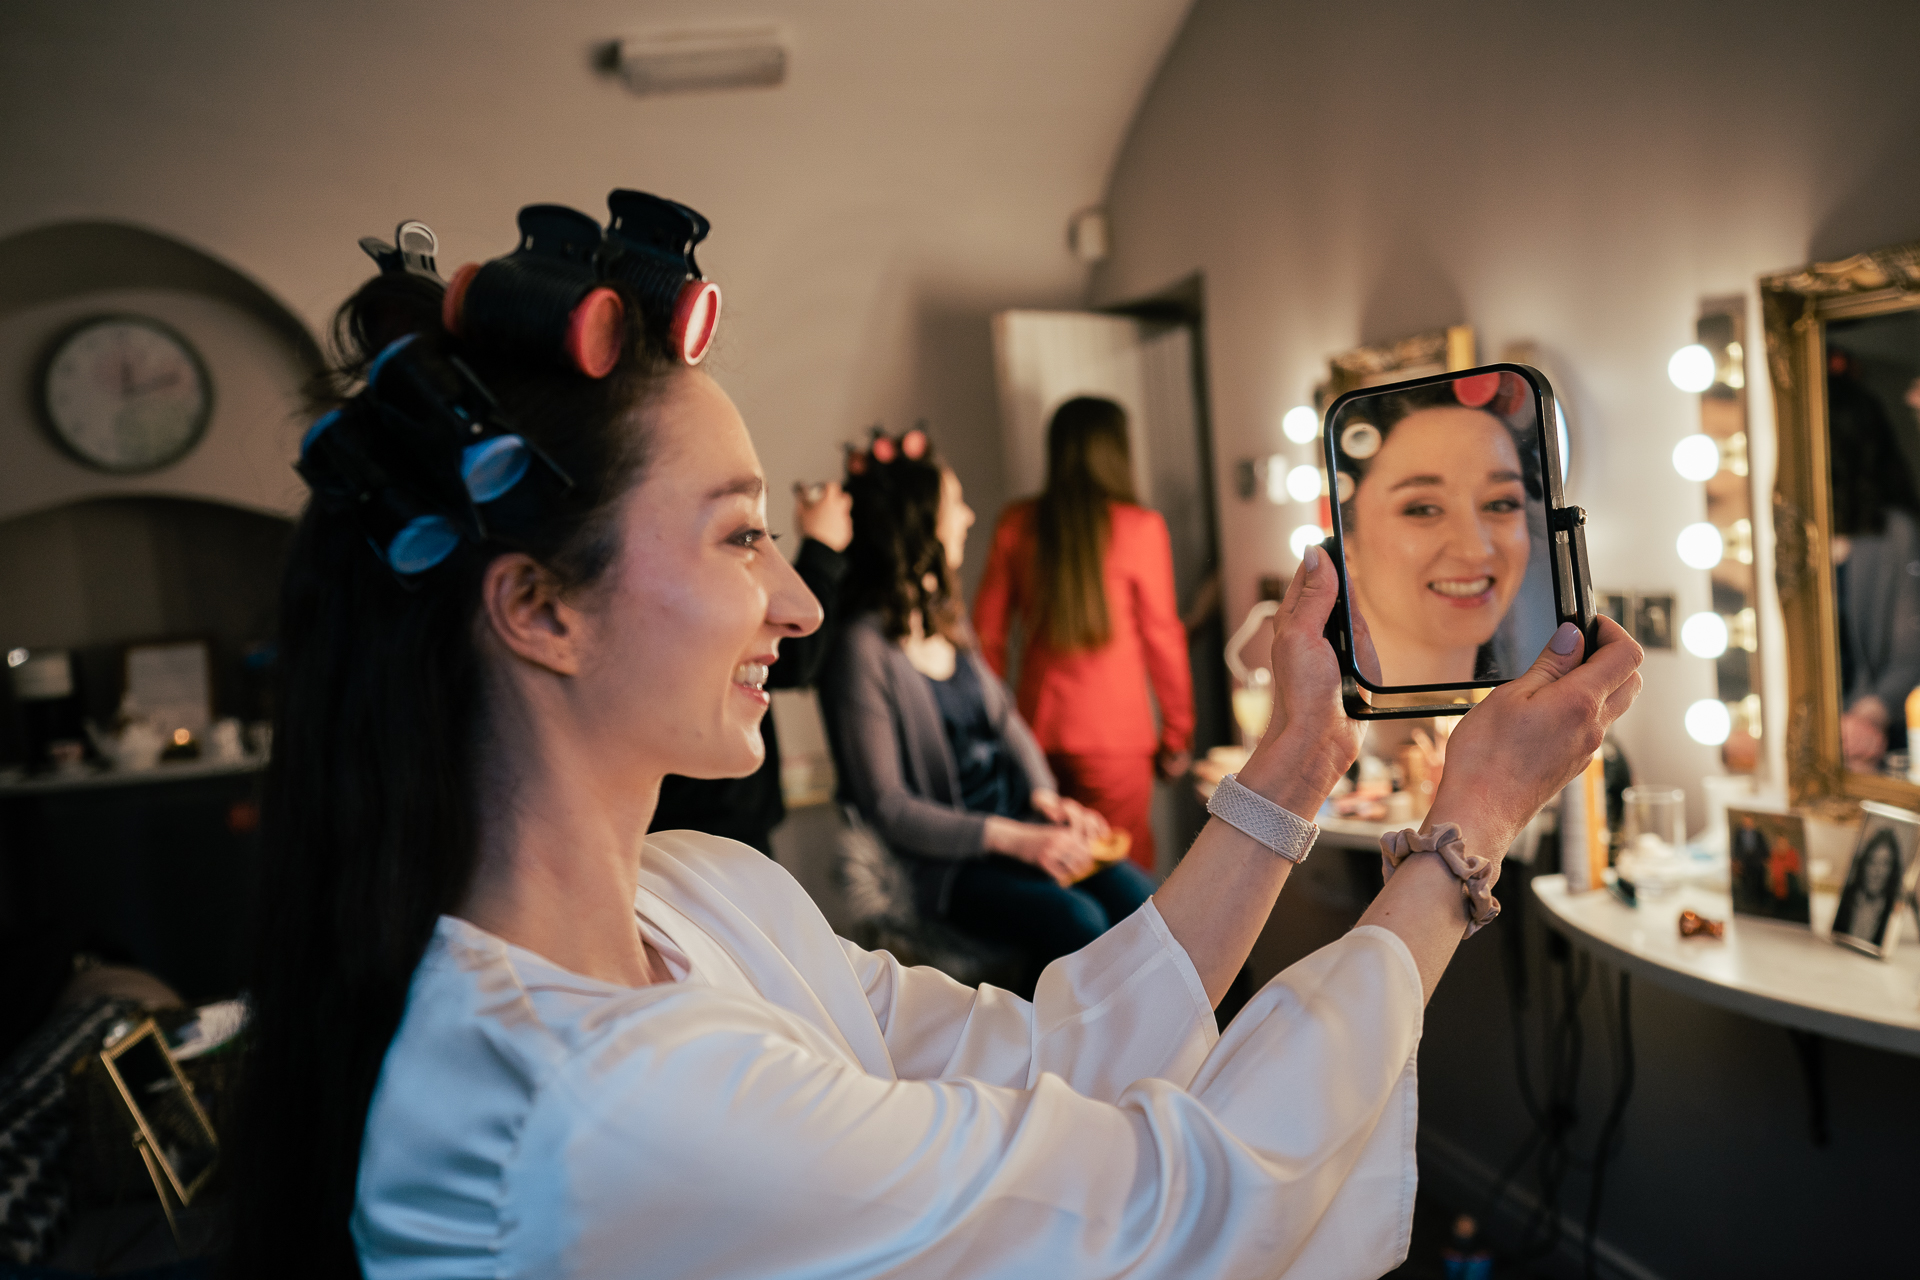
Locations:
{"points": [[126, 394]]}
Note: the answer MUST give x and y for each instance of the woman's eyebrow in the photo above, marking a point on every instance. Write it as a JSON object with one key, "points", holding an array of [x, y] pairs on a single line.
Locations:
{"points": [[745, 486], [1501, 477], [1415, 481]]}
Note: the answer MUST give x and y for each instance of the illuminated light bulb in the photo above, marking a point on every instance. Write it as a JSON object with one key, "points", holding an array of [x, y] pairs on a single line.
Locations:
{"points": [[1697, 457], [1700, 546], [1307, 535], [16, 657], [1303, 483], [1277, 478], [1301, 424], [1709, 722], [1692, 368], [1704, 635]]}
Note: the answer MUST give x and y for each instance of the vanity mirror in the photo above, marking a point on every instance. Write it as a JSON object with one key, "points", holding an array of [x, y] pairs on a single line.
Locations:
{"points": [[1453, 540], [1843, 351]]}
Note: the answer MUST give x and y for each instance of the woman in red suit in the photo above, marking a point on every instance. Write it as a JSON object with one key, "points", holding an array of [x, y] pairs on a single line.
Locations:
{"points": [[1089, 574]]}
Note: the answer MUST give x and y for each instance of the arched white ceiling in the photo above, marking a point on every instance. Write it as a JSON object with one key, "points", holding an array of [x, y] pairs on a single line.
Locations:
{"points": [[916, 171]]}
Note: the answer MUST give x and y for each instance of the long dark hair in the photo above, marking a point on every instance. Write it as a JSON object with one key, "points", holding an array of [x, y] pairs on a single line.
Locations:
{"points": [[1870, 475], [369, 823], [896, 545], [1088, 467]]}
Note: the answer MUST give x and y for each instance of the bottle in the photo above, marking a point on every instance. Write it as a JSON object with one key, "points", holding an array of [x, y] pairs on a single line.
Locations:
{"points": [[1913, 736], [1466, 1258]]}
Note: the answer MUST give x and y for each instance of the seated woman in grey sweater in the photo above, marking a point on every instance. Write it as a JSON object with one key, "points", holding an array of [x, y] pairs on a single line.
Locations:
{"points": [[929, 747]]}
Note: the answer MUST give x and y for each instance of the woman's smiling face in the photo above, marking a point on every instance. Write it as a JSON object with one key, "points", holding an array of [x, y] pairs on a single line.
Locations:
{"points": [[1437, 540]]}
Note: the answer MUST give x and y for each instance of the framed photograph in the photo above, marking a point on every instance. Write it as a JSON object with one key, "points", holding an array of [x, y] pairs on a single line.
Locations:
{"points": [[1653, 621], [172, 1133], [1877, 882], [1768, 853], [172, 685]]}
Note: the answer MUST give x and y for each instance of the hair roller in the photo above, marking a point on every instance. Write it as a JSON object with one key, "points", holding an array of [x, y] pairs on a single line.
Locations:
{"points": [[650, 244], [544, 297]]}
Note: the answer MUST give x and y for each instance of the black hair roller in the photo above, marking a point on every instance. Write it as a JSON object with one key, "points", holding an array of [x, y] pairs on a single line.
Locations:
{"points": [[649, 248], [544, 296], [407, 534]]}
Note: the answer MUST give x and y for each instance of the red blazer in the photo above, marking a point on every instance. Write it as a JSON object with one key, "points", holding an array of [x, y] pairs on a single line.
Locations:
{"points": [[1095, 702]]}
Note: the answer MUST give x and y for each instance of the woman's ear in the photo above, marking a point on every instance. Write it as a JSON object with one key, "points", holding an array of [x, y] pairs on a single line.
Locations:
{"points": [[525, 610]]}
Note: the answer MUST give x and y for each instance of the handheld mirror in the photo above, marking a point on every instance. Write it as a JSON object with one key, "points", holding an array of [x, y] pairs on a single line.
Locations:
{"points": [[1452, 537]]}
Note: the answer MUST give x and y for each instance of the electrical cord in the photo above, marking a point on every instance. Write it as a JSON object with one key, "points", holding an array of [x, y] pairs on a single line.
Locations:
{"points": [[1610, 1139]]}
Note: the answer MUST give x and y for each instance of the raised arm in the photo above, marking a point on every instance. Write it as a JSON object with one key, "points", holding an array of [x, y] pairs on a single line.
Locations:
{"points": [[1219, 897], [1509, 756]]}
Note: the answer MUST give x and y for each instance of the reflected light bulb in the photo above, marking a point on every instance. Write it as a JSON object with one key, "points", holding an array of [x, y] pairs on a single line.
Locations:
{"points": [[1697, 457], [1700, 546], [1708, 722], [1691, 368], [1566, 441], [1704, 635], [1303, 483], [1305, 536], [1301, 424]]}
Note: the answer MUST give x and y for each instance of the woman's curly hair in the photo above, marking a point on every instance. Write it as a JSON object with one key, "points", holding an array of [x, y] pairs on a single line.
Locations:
{"points": [[897, 565]]}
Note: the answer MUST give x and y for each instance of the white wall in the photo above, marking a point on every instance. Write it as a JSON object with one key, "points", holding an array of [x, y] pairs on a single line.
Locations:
{"points": [[1580, 176], [915, 174]]}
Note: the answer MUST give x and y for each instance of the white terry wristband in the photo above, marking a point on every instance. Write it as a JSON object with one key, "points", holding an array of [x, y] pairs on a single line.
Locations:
{"points": [[1279, 829]]}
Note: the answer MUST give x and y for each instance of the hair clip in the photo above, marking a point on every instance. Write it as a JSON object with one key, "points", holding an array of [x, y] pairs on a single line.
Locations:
{"points": [[545, 295], [649, 248], [412, 252]]}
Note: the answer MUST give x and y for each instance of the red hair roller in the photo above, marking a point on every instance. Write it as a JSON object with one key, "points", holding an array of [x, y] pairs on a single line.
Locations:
{"points": [[696, 315], [1476, 391]]}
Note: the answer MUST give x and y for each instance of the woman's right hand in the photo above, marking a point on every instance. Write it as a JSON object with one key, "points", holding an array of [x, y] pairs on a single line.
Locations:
{"points": [[1058, 851], [1533, 735], [1310, 740]]}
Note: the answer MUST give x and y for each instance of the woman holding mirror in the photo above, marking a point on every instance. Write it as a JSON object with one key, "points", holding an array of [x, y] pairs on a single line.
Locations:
{"points": [[1434, 486], [498, 1029]]}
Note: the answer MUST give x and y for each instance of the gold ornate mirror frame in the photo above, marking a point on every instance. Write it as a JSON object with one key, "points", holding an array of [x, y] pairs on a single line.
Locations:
{"points": [[1797, 306]]}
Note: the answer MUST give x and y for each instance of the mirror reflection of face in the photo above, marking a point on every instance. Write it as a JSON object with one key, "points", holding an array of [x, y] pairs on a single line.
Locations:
{"points": [[1437, 542]]}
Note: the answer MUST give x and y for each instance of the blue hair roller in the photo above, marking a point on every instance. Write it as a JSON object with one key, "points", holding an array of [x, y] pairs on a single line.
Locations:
{"points": [[423, 543], [494, 466]]}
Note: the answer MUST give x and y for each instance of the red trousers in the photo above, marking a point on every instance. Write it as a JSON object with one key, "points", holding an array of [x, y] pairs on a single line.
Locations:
{"points": [[1119, 789]]}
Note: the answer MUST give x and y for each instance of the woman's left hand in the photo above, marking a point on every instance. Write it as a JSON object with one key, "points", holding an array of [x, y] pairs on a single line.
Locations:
{"points": [[1071, 814]]}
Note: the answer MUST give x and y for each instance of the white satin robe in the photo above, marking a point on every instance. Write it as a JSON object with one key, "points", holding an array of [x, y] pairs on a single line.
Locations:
{"points": [[794, 1106]]}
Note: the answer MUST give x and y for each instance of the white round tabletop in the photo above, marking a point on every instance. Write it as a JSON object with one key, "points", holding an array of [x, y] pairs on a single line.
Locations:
{"points": [[1765, 969]]}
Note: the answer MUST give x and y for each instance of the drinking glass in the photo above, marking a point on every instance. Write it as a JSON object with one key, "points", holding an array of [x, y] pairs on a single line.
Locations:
{"points": [[1656, 818]]}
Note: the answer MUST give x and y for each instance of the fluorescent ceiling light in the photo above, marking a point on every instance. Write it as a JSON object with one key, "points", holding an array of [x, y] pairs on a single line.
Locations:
{"points": [[684, 61]]}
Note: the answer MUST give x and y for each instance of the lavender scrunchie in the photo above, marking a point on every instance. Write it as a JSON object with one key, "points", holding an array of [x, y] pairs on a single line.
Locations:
{"points": [[1477, 872]]}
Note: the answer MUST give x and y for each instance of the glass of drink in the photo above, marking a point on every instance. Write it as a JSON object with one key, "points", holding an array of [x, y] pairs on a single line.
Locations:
{"points": [[1253, 706]]}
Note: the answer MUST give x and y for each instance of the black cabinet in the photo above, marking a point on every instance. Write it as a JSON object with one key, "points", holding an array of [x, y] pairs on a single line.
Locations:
{"points": [[151, 869]]}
